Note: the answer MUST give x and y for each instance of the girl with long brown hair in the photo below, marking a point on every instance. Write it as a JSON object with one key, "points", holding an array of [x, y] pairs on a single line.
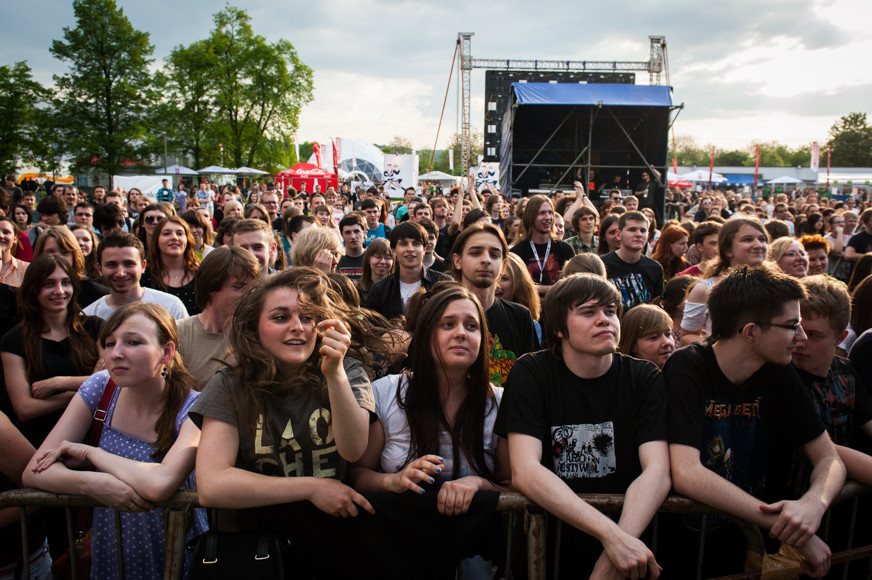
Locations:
{"points": [[52, 350], [172, 262], [281, 424], [670, 251], [436, 419]]}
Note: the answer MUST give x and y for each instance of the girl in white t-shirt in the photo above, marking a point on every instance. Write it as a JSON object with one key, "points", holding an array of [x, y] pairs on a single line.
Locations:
{"points": [[435, 421]]}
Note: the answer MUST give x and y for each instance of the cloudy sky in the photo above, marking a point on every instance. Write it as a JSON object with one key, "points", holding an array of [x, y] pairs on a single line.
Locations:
{"points": [[746, 70]]}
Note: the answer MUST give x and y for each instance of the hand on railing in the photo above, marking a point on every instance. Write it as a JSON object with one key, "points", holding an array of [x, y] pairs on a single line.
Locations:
{"points": [[456, 495], [817, 557], [797, 520], [630, 556]]}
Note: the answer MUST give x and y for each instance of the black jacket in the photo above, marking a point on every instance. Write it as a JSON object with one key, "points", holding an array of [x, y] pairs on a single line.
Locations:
{"points": [[384, 296]]}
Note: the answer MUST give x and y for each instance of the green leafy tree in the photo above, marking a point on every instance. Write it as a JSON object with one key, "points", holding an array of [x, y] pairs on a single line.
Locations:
{"points": [[733, 158], [851, 141], [476, 148], [189, 101], [687, 152], [104, 98], [260, 88], [399, 146], [20, 98]]}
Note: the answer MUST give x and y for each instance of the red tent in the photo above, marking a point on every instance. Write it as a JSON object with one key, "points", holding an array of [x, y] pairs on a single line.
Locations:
{"points": [[308, 174]]}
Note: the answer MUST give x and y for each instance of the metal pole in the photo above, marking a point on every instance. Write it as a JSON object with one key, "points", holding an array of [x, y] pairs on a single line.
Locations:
{"points": [[166, 167]]}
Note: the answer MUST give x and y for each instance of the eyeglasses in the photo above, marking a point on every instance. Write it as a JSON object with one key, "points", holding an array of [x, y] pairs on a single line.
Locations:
{"points": [[794, 327], [150, 219], [383, 258]]}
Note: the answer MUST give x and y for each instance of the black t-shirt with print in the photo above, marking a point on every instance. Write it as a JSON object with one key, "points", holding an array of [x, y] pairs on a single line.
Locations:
{"points": [[559, 254], [745, 433], [590, 429], [512, 335]]}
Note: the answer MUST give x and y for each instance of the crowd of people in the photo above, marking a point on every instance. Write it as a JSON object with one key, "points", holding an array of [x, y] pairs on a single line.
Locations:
{"points": [[300, 356]]}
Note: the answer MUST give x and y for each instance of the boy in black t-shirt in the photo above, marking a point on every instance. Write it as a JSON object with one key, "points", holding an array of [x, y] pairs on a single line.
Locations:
{"points": [[478, 259], [737, 409], [582, 419], [637, 277]]}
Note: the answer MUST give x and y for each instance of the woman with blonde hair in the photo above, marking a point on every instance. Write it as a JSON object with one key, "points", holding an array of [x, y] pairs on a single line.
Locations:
{"points": [[316, 247], [146, 447], [88, 242], [11, 268], [790, 256], [516, 285], [646, 333]]}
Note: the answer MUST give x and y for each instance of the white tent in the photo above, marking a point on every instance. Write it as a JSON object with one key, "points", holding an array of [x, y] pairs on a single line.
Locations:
{"points": [[216, 170], [147, 184], [437, 176], [176, 170], [702, 175], [784, 180], [249, 171]]}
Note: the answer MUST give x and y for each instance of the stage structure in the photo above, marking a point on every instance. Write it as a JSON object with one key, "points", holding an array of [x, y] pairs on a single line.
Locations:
{"points": [[580, 144], [555, 134]]}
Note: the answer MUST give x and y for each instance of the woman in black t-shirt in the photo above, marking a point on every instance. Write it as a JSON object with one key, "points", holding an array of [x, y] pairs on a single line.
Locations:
{"points": [[52, 351], [172, 262]]}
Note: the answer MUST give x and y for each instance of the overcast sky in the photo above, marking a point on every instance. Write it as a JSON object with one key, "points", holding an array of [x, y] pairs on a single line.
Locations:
{"points": [[782, 70]]}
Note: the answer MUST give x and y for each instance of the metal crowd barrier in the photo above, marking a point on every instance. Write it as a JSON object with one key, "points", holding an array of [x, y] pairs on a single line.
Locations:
{"points": [[177, 508]]}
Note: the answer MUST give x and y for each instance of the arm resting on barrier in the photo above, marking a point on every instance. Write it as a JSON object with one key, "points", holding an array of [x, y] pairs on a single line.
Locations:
{"points": [[857, 464], [221, 484], [153, 481], [799, 520], [628, 554]]}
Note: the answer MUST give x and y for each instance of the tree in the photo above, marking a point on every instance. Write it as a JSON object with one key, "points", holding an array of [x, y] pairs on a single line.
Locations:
{"points": [[476, 148], [104, 98], [20, 97], [189, 101], [685, 149], [399, 146], [260, 87], [851, 141], [733, 158]]}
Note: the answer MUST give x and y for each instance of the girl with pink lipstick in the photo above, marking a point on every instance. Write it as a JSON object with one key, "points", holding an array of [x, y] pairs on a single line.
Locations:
{"points": [[435, 421], [741, 241], [172, 262]]}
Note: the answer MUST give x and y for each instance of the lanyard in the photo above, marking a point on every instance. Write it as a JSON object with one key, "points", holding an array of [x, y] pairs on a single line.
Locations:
{"points": [[544, 260]]}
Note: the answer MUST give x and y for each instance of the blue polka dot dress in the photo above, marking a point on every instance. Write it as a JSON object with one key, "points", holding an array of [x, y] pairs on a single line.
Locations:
{"points": [[142, 534]]}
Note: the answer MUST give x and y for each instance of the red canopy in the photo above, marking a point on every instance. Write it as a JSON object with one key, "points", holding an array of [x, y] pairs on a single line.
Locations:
{"points": [[308, 174]]}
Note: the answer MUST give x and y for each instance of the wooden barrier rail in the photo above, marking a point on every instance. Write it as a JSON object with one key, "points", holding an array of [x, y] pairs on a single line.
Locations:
{"points": [[177, 507]]}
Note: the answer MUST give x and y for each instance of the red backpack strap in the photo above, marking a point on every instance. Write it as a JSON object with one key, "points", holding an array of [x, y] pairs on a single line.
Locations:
{"points": [[101, 413]]}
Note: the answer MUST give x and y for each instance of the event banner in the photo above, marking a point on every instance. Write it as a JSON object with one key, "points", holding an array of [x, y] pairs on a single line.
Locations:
{"points": [[487, 176], [400, 173], [815, 157]]}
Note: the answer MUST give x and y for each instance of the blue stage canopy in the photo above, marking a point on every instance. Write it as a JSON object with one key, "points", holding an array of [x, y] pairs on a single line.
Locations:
{"points": [[592, 94], [740, 179]]}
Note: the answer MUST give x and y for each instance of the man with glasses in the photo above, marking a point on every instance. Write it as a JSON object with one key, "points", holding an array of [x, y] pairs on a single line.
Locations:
{"points": [[83, 214], [737, 410], [270, 200]]}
